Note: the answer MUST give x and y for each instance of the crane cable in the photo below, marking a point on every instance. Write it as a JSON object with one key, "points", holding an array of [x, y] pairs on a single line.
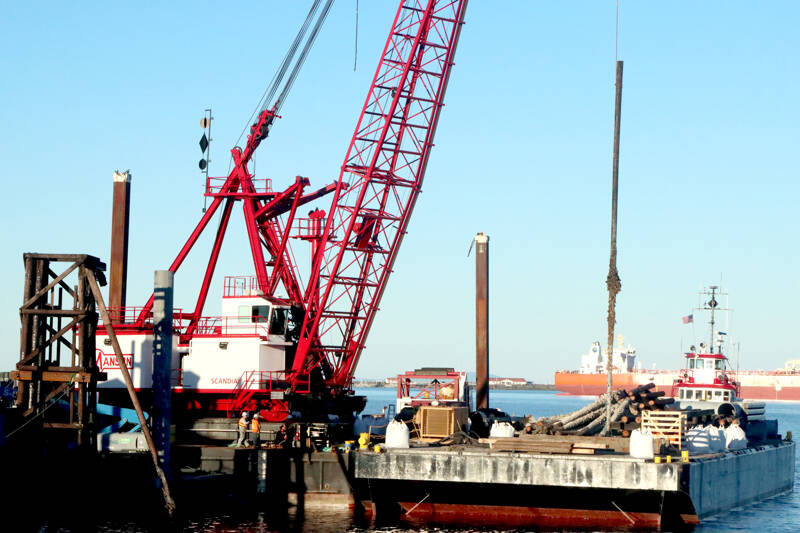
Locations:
{"points": [[303, 55], [277, 78], [355, 50]]}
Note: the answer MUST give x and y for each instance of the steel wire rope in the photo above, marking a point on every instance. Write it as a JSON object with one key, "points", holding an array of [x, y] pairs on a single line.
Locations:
{"points": [[298, 65], [273, 84], [303, 55], [355, 51]]}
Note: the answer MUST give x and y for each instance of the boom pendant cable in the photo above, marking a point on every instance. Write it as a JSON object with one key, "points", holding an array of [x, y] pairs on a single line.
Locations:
{"points": [[303, 55], [277, 78], [616, 36], [355, 52]]}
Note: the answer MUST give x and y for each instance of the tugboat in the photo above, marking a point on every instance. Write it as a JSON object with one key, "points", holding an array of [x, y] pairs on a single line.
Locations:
{"points": [[705, 381]]}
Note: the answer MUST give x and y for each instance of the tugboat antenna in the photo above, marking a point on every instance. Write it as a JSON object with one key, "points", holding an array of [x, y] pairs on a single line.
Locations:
{"points": [[712, 305]]}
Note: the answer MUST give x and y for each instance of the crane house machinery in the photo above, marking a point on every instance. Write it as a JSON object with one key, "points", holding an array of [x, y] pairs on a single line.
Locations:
{"points": [[282, 343]]}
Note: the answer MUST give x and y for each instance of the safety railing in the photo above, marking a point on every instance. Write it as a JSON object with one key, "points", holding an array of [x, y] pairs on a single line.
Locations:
{"points": [[274, 380], [267, 383], [307, 228], [425, 389], [231, 326], [215, 185], [239, 286], [129, 316]]}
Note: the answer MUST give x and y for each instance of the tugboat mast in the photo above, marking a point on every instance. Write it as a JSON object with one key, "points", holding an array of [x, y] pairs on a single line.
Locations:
{"points": [[712, 305]]}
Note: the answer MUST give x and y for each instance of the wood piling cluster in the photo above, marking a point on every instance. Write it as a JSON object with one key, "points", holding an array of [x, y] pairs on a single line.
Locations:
{"points": [[626, 409]]}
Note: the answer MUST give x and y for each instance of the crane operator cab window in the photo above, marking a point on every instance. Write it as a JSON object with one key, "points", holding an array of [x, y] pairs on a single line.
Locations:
{"points": [[266, 317], [277, 325], [260, 313], [255, 314]]}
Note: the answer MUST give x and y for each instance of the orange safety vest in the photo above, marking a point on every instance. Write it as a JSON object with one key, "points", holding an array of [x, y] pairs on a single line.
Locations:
{"points": [[255, 425]]}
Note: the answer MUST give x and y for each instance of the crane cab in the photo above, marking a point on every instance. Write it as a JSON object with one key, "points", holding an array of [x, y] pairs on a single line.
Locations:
{"points": [[252, 334]]}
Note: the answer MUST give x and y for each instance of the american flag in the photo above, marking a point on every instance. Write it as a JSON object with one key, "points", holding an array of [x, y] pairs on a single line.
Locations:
{"points": [[687, 319]]}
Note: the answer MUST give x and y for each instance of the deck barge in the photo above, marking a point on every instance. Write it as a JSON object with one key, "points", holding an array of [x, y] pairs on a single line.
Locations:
{"points": [[460, 483]]}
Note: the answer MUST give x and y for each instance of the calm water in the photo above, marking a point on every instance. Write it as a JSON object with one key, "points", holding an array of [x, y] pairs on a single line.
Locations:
{"points": [[778, 514]]}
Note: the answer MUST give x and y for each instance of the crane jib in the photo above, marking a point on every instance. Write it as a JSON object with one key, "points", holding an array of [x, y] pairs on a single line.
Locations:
{"points": [[384, 167]]}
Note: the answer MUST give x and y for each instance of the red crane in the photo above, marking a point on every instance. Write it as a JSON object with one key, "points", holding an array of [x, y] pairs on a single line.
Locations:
{"points": [[355, 246], [384, 167]]}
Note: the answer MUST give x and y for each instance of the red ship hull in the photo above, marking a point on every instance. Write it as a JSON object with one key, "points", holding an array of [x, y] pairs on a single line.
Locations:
{"points": [[763, 386]]}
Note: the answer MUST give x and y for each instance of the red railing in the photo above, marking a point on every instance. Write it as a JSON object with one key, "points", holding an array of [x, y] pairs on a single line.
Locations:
{"points": [[238, 286], [425, 389], [265, 384], [231, 326], [261, 185], [308, 228], [129, 314]]}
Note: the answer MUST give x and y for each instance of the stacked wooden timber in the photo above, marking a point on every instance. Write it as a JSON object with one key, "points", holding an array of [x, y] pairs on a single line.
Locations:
{"points": [[626, 410], [527, 445]]}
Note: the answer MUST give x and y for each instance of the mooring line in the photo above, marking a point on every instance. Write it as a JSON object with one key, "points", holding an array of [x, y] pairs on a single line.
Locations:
{"points": [[626, 515], [422, 500]]}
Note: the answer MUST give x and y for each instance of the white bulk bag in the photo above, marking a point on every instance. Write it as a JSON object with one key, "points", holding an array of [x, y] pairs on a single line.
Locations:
{"points": [[396, 435], [501, 429], [641, 444], [735, 438], [716, 439], [698, 441]]}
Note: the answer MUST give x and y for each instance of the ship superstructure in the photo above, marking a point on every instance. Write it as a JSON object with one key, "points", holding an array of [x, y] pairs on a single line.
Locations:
{"points": [[707, 371], [594, 362]]}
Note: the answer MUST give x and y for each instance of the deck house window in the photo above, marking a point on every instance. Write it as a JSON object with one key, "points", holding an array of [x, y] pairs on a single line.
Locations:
{"points": [[260, 313], [691, 363], [245, 314]]}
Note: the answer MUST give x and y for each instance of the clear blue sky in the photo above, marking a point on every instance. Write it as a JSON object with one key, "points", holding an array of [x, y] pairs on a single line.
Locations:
{"points": [[708, 174]]}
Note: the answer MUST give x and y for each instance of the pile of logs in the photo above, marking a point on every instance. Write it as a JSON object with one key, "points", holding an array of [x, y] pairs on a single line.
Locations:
{"points": [[626, 408]]}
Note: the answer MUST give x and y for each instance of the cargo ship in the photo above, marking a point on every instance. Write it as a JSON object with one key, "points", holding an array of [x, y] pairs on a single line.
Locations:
{"points": [[590, 378], [766, 385]]}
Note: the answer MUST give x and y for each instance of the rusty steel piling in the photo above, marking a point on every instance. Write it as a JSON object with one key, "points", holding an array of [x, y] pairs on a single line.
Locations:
{"points": [[481, 321], [118, 269]]}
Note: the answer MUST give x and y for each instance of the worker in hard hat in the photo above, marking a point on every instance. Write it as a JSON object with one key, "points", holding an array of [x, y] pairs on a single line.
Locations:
{"points": [[243, 425], [255, 431]]}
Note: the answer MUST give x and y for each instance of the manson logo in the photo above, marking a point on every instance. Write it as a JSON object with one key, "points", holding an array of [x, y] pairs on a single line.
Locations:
{"points": [[109, 362]]}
